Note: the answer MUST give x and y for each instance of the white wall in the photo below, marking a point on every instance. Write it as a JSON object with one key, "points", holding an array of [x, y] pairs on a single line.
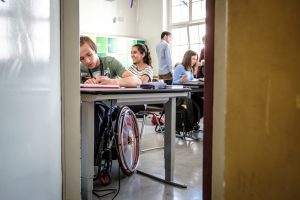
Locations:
{"points": [[150, 26], [96, 17], [144, 20]]}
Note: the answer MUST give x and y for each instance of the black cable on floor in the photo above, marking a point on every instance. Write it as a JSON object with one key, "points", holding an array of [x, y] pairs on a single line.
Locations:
{"points": [[103, 195], [119, 187]]}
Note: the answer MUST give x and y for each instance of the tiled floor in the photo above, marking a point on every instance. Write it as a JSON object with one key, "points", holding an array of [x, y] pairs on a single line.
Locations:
{"points": [[188, 170]]}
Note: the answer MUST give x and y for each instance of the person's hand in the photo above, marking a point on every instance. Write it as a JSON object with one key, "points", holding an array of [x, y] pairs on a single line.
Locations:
{"points": [[104, 80], [90, 81], [202, 62], [184, 78]]}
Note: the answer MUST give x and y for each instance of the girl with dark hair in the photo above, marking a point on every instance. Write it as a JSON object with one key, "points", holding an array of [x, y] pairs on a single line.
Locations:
{"points": [[141, 62], [185, 71]]}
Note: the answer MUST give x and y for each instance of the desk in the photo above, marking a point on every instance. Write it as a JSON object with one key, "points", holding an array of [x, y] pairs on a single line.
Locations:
{"points": [[196, 86], [126, 96]]}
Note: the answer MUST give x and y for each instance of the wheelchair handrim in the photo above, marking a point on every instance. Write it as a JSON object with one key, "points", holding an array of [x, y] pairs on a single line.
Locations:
{"points": [[127, 141]]}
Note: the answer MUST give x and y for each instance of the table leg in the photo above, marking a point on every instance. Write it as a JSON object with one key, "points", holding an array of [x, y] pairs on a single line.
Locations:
{"points": [[169, 143], [87, 149]]}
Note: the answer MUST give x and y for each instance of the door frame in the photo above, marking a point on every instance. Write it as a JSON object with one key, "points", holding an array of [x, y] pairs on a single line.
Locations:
{"points": [[208, 100]]}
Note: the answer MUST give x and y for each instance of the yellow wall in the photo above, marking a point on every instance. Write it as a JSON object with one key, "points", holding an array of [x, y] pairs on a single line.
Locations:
{"points": [[262, 134]]}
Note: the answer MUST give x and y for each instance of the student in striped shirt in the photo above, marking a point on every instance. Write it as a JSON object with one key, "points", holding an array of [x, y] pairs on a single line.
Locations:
{"points": [[141, 58], [141, 67]]}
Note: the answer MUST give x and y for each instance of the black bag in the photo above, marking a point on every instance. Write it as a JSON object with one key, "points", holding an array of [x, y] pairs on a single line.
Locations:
{"points": [[185, 118]]}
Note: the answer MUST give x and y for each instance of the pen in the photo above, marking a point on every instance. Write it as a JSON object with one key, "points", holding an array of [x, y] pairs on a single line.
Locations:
{"points": [[91, 73]]}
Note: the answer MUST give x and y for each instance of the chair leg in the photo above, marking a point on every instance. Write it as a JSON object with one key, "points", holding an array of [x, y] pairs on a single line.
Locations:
{"points": [[158, 125], [143, 125], [143, 129], [138, 117]]}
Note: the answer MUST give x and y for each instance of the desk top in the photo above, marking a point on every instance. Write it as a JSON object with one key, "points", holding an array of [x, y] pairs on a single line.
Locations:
{"points": [[192, 83], [103, 91], [132, 96]]}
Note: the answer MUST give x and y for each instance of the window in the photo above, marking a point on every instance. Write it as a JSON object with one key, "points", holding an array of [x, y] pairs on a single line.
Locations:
{"points": [[198, 9], [187, 26], [180, 11]]}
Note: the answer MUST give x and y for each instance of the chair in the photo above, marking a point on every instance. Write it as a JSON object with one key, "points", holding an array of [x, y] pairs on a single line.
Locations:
{"points": [[151, 110]]}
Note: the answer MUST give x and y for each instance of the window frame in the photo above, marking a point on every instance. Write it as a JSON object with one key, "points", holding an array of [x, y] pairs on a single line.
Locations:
{"points": [[186, 25]]}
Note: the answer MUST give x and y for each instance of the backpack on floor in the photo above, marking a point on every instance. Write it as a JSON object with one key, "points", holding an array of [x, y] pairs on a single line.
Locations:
{"points": [[185, 118]]}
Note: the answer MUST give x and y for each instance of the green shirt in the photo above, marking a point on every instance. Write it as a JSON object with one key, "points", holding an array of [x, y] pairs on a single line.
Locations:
{"points": [[111, 68]]}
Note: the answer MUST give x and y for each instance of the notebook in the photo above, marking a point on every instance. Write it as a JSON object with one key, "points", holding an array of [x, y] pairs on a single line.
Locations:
{"points": [[98, 86]]}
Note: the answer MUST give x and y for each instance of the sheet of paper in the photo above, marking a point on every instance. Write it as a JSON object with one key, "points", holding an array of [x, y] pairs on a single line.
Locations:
{"points": [[98, 86]]}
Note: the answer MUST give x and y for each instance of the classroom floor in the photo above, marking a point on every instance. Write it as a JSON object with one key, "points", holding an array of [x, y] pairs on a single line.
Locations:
{"points": [[187, 170]]}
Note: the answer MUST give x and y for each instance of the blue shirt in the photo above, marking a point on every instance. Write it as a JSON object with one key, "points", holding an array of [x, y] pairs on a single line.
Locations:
{"points": [[179, 71], [163, 52]]}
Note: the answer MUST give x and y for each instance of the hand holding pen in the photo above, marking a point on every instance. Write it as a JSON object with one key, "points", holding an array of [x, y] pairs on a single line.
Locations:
{"points": [[104, 80], [91, 81]]}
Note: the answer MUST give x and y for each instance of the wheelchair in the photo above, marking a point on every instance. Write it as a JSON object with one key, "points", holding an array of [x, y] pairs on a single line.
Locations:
{"points": [[116, 138]]}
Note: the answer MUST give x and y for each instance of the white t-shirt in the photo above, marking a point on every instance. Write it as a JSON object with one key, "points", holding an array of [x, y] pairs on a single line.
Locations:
{"points": [[148, 71]]}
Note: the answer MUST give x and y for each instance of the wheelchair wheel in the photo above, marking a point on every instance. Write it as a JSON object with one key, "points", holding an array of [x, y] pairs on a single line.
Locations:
{"points": [[127, 138]]}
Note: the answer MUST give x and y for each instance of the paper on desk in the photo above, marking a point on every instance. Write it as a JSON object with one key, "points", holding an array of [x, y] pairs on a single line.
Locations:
{"points": [[98, 86]]}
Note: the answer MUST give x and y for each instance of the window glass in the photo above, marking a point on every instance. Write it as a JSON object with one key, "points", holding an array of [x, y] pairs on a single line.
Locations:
{"points": [[180, 11], [189, 32], [179, 43], [196, 48], [178, 52], [198, 9], [195, 34], [179, 36]]}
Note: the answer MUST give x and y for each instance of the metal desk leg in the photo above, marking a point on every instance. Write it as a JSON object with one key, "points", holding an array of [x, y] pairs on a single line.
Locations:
{"points": [[87, 150], [169, 142]]}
